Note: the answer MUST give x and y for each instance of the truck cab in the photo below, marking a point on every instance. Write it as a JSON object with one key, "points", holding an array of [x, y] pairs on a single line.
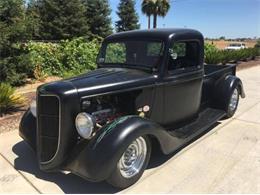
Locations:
{"points": [[150, 86]]}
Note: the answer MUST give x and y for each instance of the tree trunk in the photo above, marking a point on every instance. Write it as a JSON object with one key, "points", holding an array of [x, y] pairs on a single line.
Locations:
{"points": [[149, 22], [155, 21]]}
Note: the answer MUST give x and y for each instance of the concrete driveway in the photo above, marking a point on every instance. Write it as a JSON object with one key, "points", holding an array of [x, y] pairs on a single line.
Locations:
{"points": [[225, 160]]}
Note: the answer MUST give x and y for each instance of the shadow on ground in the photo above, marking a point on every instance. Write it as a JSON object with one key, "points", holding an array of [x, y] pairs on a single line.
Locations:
{"points": [[69, 183]]}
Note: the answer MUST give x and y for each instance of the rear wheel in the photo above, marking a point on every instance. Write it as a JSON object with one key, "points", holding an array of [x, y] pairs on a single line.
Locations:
{"points": [[233, 103], [132, 163]]}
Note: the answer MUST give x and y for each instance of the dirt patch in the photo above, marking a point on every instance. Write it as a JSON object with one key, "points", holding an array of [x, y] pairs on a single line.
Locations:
{"points": [[32, 85], [249, 64], [221, 44], [12, 120]]}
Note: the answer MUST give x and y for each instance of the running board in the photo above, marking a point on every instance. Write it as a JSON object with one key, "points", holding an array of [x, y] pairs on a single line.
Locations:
{"points": [[205, 120]]}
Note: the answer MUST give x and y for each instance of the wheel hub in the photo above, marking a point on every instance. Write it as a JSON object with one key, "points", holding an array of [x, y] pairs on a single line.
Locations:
{"points": [[233, 100], [133, 158]]}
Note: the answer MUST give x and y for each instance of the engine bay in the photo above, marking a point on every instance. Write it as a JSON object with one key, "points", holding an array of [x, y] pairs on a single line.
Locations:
{"points": [[105, 109]]}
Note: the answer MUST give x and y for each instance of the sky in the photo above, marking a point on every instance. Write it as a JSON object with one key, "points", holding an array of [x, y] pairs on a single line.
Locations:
{"points": [[214, 18]]}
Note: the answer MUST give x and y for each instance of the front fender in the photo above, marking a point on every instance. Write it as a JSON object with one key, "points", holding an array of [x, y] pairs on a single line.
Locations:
{"points": [[27, 129], [98, 159]]}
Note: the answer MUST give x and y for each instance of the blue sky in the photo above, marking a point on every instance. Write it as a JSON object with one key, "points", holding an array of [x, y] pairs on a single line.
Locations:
{"points": [[214, 18]]}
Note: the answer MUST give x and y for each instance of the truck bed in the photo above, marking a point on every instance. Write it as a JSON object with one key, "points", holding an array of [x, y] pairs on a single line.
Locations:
{"points": [[211, 69]]}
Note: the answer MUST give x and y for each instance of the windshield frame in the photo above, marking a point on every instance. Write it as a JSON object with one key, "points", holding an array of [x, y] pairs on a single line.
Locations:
{"points": [[126, 65]]}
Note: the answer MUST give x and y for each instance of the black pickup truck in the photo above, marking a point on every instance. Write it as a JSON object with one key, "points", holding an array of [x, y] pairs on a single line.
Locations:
{"points": [[151, 89]]}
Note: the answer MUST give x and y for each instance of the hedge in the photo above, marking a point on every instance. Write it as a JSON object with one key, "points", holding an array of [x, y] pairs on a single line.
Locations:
{"points": [[216, 56], [39, 59], [63, 59]]}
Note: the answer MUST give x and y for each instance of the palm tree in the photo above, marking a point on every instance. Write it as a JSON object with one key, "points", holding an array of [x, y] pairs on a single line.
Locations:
{"points": [[155, 8], [161, 9], [147, 9]]}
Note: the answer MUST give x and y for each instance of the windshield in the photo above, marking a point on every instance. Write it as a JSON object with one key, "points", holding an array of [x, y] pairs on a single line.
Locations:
{"points": [[132, 53]]}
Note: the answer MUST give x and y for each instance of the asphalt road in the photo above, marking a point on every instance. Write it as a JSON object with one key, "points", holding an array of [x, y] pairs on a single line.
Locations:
{"points": [[225, 160]]}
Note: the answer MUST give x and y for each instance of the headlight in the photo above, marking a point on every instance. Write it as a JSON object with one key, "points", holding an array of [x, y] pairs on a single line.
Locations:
{"points": [[84, 124], [33, 108]]}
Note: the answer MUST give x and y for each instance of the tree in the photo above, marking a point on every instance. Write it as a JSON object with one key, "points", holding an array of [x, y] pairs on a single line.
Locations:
{"points": [[147, 9], [63, 19], [33, 20], [12, 25], [161, 9], [156, 8], [13, 62], [98, 16], [128, 18]]}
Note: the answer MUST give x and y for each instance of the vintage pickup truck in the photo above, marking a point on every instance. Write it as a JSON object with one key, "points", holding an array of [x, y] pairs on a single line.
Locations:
{"points": [[150, 89]]}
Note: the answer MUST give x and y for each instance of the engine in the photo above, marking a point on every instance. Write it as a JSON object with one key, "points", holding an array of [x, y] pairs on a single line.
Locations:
{"points": [[104, 109]]}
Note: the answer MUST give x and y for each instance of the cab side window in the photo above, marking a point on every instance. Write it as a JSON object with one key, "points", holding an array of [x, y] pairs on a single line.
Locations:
{"points": [[184, 56]]}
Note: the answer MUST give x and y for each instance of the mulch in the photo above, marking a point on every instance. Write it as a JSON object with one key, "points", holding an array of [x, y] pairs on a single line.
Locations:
{"points": [[11, 121]]}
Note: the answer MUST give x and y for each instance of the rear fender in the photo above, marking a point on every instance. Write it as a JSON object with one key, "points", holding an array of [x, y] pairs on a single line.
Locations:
{"points": [[98, 159], [224, 90]]}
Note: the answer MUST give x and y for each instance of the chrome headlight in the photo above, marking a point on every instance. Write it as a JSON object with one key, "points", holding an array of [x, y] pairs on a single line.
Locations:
{"points": [[33, 108], [84, 125]]}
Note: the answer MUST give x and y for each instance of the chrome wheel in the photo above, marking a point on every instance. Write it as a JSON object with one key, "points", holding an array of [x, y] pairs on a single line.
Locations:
{"points": [[234, 100], [133, 158]]}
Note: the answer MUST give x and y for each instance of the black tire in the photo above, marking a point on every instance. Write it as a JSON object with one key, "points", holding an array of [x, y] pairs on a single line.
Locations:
{"points": [[117, 180], [231, 111]]}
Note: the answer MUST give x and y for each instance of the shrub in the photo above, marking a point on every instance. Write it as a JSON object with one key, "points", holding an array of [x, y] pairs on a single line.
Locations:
{"points": [[215, 56], [44, 57], [78, 56], [63, 59], [16, 68], [38, 60], [212, 55], [9, 101]]}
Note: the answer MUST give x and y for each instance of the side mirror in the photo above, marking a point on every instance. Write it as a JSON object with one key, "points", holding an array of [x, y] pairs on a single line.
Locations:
{"points": [[173, 54]]}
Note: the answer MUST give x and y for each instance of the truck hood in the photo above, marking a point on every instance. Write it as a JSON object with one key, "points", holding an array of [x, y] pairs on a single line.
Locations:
{"points": [[106, 80]]}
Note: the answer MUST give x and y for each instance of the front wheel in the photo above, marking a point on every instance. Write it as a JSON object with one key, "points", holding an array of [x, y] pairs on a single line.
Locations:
{"points": [[132, 163], [233, 103]]}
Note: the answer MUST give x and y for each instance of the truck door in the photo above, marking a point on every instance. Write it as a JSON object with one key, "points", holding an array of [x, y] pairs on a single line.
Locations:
{"points": [[182, 82]]}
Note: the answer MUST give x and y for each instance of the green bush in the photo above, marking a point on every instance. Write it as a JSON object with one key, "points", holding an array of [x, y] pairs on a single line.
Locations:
{"points": [[212, 55], [65, 58], [8, 99], [78, 56], [216, 56], [45, 57], [16, 69], [38, 60]]}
